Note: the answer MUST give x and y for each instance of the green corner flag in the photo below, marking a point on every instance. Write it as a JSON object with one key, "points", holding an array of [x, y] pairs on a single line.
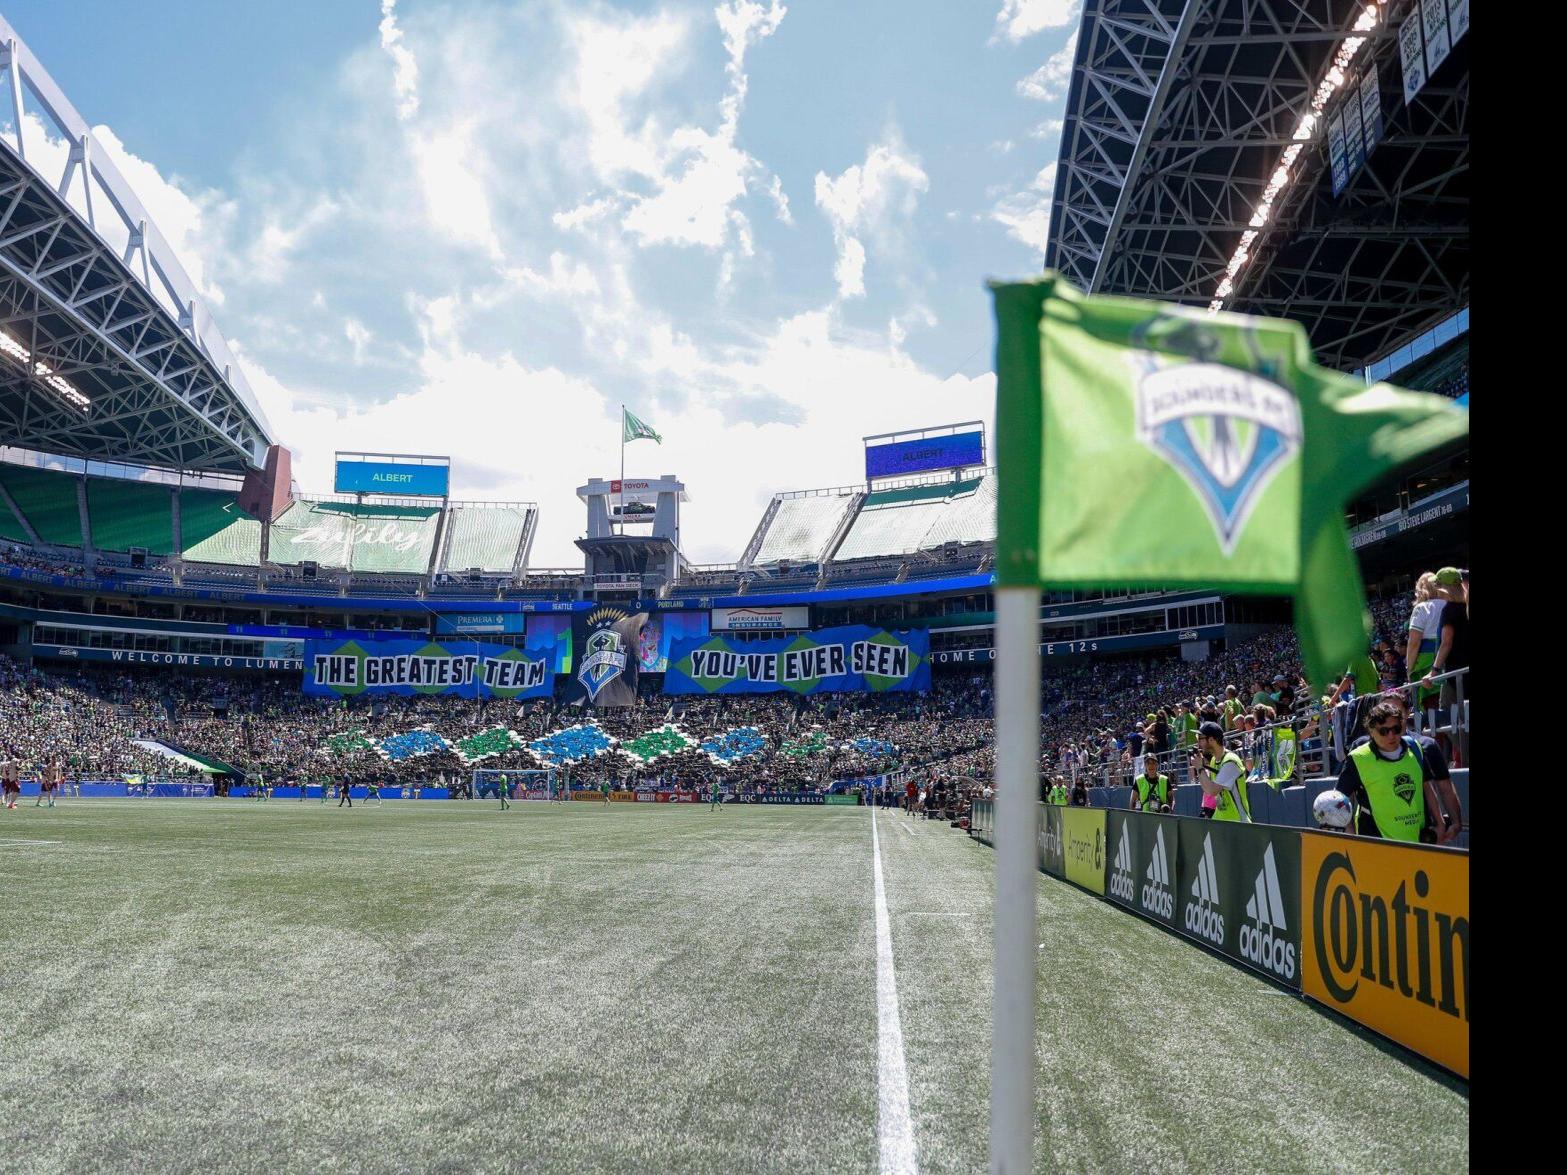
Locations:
{"points": [[632, 429], [1144, 444]]}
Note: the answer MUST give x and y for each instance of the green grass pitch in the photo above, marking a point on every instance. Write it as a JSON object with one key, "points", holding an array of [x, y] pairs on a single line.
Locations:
{"points": [[221, 985]]}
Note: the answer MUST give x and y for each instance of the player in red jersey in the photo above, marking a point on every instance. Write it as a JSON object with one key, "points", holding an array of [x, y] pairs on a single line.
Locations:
{"points": [[10, 780]]}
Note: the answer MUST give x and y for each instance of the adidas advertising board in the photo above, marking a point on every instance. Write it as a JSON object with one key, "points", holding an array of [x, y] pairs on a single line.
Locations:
{"points": [[1385, 935], [1083, 844], [1142, 863], [1052, 851], [1238, 890]]}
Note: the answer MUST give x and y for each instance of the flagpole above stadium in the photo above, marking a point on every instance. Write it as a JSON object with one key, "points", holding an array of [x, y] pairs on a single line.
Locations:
{"points": [[108, 349], [1181, 115]]}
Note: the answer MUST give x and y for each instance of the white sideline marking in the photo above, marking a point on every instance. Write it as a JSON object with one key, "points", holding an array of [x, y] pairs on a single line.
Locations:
{"points": [[894, 1127], [17, 844]]}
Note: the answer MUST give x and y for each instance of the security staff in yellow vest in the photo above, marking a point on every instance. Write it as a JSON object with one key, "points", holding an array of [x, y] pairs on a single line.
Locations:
{"points": [[1399, 783], [1058, 792], [1150, 790], [1221, 773]]}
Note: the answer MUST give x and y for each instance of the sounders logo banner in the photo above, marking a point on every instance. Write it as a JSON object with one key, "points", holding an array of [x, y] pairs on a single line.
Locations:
{"points": [[409, 668], [848, 659], [608, 640]]}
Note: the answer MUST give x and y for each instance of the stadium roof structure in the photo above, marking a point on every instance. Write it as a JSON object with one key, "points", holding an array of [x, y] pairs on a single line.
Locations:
{"points": [[1179, 116], [107, 349]]}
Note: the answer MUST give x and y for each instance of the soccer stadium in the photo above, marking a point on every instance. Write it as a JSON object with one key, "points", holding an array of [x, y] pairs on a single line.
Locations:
{"points": [[1025, 798]]}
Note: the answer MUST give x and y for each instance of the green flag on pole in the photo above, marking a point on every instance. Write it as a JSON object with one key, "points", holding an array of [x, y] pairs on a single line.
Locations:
{"points": [[632, 429], [1143, 444]]}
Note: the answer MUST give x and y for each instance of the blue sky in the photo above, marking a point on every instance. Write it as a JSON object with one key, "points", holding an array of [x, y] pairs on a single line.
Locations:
{"points": [[478, 228]]}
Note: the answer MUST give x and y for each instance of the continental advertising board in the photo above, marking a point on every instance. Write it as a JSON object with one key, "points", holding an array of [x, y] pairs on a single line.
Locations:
{"points": [[1386, 934]]}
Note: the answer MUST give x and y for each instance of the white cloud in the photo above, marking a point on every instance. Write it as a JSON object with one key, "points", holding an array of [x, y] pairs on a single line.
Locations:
{"points": [[551, 318], [450, 170], [359, 338], [1052, 79], [405, 68], [1026, 214], [1023, 18], [869, 199]]}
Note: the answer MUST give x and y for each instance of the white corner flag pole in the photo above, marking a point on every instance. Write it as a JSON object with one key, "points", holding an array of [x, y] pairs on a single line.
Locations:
{"points": [[1016, 816]]}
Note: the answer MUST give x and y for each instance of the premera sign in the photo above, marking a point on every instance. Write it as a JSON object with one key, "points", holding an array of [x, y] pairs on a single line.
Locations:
{"points": [[1386, 935]]}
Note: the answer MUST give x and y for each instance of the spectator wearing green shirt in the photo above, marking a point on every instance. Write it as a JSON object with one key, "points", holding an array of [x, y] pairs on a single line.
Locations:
{"points": [[1233, 708]]}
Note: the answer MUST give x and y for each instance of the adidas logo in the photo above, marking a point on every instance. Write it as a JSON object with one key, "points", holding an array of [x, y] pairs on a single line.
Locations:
{"points": [[1202, 914], [1157, 897], [1121, 884], [1264, 915]]}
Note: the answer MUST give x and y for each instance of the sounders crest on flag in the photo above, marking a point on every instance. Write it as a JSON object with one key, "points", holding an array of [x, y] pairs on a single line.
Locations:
{"points": [[633, 429], [1142, 443]]}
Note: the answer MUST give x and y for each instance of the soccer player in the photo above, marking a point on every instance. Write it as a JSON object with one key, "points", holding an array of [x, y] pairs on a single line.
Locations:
{"points": [[373, 792], [343, 794], [713, 798], [49, 781], [258, 790], [326, 789], [10, 781], [604, 787]]}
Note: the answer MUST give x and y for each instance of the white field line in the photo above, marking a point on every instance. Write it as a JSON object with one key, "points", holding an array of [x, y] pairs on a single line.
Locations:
{"points": [[894, 1127], [7, 843]]}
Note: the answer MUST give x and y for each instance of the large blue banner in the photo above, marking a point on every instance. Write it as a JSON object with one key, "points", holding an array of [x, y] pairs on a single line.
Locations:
{"points": [[901, 458], [391, 477], [460, 668], [851, 659]]}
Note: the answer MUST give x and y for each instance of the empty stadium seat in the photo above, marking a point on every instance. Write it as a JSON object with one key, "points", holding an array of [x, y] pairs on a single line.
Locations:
{"points": [[213, 529], [125, 514], [48, 501], [348, 534], [921, 517], [802, 526], [486, 537]]}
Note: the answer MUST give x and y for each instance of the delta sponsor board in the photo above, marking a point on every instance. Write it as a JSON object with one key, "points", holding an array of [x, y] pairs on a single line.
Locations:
{"points": [[1083, 845], [1238, 890], [1386, 934]]}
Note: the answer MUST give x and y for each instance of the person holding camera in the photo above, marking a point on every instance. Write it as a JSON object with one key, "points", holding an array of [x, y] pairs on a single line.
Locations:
{"points": [[1150, 790], [1221, 773]]}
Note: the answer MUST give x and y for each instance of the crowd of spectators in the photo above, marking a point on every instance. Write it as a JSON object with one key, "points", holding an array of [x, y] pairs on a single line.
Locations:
{"points": [[1097, 720]]}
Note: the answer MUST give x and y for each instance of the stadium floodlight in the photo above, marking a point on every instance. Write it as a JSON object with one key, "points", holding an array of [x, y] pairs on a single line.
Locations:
{"points": [[1305, 129], [57, 384]]}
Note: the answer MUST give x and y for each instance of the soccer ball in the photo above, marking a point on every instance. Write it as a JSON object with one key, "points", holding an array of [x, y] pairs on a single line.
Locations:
{"points": [[1332, 810]]}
